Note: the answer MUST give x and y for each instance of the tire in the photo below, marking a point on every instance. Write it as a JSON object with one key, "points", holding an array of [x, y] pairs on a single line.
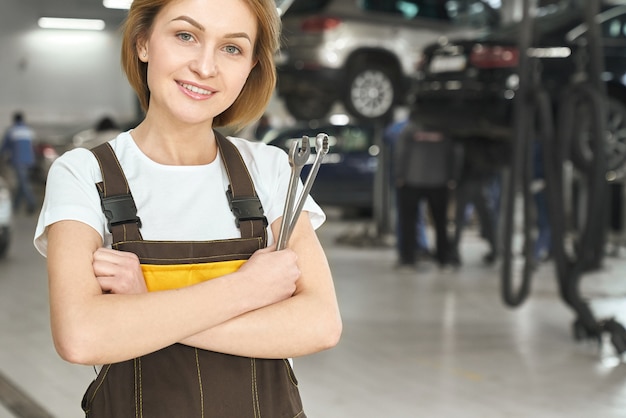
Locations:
{"points": [[310, 106], [5, 239], [615, 142], [371, 92]]}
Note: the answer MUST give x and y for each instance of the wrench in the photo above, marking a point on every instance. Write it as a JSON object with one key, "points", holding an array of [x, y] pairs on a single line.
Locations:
{"points": [[321, 149], [297, 159]]}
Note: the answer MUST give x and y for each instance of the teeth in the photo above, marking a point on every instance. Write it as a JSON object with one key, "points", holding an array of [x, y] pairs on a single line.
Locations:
{"points": [[195, 89]]}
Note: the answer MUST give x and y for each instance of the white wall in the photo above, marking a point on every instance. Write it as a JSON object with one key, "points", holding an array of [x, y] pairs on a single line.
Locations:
{"points": [[59, 77]]}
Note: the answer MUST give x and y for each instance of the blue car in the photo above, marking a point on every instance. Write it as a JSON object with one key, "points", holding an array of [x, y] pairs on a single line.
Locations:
{"points": [[346, 176]]}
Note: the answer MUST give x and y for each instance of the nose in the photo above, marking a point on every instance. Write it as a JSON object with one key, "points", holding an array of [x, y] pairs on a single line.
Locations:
{"points": [[204, 63]]}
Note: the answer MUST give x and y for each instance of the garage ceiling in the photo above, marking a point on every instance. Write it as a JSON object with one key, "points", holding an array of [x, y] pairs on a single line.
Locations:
{"points": [[91, 9], [86, 9]]}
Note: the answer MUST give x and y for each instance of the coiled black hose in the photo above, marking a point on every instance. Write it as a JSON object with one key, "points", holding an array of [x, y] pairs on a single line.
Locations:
{"points": [[582, 108], [520, 174]]}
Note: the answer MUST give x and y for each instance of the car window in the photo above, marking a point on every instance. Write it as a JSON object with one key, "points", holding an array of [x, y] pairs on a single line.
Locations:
{"points": [[341, 139], [462, 12], [613, 25], [306, 6], [409, 9], [349, 139], [474, 13], [615, 28]]}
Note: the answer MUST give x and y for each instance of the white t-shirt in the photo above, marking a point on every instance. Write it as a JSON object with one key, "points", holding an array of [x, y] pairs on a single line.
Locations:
{"points": [[174, 202]]}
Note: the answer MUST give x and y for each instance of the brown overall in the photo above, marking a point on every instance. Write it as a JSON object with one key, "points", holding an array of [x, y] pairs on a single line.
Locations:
{"points": [[180, 381]]}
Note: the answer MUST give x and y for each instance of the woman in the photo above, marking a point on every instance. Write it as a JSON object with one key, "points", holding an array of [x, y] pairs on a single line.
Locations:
{"points": [[195, 65]]}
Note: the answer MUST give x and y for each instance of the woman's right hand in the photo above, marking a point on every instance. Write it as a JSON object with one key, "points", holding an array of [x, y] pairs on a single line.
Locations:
{"points": [[274, 273], [118, 272]]}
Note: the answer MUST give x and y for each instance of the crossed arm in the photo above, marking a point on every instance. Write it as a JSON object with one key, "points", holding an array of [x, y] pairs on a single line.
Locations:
{"points": [[278, 304]]}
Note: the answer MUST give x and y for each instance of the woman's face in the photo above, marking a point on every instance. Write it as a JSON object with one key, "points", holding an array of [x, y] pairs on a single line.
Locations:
{"points": [[199, 55]]}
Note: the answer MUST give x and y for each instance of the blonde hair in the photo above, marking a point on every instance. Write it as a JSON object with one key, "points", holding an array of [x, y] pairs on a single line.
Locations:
{"points": [[259, 87]]}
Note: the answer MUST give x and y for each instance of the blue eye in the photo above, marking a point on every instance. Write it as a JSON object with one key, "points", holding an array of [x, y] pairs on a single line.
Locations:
{"points": [[184, 36], [231, 49]]}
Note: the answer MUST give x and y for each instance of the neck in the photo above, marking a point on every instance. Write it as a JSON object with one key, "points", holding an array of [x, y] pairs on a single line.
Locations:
{"points": [[176, 144]]}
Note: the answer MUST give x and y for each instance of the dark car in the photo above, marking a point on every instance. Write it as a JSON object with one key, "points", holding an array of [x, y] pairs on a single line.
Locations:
{"points": [[466, 87], [346, 176]]}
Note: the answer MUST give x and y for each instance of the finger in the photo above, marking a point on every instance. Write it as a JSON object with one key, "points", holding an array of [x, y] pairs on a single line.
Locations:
{"points": [[106, 283], [104, 268], [121, 259], [109, 254]]}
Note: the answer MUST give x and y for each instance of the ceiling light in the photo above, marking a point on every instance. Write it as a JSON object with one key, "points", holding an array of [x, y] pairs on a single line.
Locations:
{"points": [[117, 4], [66, 23]]}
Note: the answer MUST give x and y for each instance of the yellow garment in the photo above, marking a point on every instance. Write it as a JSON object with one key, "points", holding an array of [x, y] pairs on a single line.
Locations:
{"points": [[175, 276]]}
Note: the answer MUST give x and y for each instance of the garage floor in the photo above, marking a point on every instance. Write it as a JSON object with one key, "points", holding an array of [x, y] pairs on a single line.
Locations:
{"points": [[422, 344]]}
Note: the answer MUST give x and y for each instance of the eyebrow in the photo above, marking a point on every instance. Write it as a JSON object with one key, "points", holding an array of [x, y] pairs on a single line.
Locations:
{"points": [[189, 20], [239, 35], [196, 24]]}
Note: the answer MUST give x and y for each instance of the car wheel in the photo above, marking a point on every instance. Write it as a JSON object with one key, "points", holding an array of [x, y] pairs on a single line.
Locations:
{"points": [[310, 106], [5, 237], [615, 142], [371, 92]]}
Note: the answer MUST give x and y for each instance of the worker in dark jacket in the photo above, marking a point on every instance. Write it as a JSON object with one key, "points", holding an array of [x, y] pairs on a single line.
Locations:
{"points": [[424, 162], [479, 171]]}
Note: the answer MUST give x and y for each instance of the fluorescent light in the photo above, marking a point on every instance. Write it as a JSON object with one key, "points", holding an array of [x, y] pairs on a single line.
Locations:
{"points": [[117, 4], [65, 23]]}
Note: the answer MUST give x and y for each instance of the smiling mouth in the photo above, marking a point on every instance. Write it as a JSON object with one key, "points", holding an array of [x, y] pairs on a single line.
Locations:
{"points": [[195, 89]]}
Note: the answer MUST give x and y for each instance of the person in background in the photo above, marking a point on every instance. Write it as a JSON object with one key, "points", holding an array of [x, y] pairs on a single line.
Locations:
{"points": [[543, 243], [18, 145], [424, 168], [478, 170], [178, 288], [392, 133]]}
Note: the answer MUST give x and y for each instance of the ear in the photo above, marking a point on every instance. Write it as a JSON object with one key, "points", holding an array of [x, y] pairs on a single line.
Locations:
{"points": [[142, 51]]}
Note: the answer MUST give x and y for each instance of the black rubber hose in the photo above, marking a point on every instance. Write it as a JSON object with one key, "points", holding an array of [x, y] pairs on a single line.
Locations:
{"points": [[570, 269], [523, 122]]}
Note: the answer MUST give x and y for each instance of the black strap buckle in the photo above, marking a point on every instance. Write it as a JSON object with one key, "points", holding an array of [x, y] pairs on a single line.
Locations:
{"points": [[120, 210], [246, 208]]}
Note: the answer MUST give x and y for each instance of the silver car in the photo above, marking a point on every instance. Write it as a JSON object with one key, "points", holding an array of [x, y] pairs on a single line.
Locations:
{"points": [[361, 53]]}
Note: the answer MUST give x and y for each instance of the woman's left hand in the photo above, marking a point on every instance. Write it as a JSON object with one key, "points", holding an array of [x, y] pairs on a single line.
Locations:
{"points": [[118, 272]]}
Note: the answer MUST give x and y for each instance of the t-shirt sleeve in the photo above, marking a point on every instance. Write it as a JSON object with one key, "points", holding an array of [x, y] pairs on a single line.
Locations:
{"points": [[70, 194]]}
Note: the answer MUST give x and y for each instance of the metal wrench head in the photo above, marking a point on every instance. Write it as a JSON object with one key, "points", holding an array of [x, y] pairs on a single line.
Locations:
{"points": [[299, 155], [321, 144]]}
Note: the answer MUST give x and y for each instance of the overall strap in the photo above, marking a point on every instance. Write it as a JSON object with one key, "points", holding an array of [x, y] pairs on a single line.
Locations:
{"points": [[116, 199], [242, 197]]}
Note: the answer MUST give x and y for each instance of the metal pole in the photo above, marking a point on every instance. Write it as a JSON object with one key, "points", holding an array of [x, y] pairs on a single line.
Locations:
{"points": [[382, 196]]}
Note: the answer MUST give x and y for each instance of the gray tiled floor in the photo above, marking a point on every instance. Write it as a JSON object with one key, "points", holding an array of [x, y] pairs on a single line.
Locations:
{"points": [[427, 344]]}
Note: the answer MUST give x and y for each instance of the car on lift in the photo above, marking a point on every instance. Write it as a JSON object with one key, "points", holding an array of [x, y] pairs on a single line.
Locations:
{"points": [[466, 87], [361, 52], [346, 177]]}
